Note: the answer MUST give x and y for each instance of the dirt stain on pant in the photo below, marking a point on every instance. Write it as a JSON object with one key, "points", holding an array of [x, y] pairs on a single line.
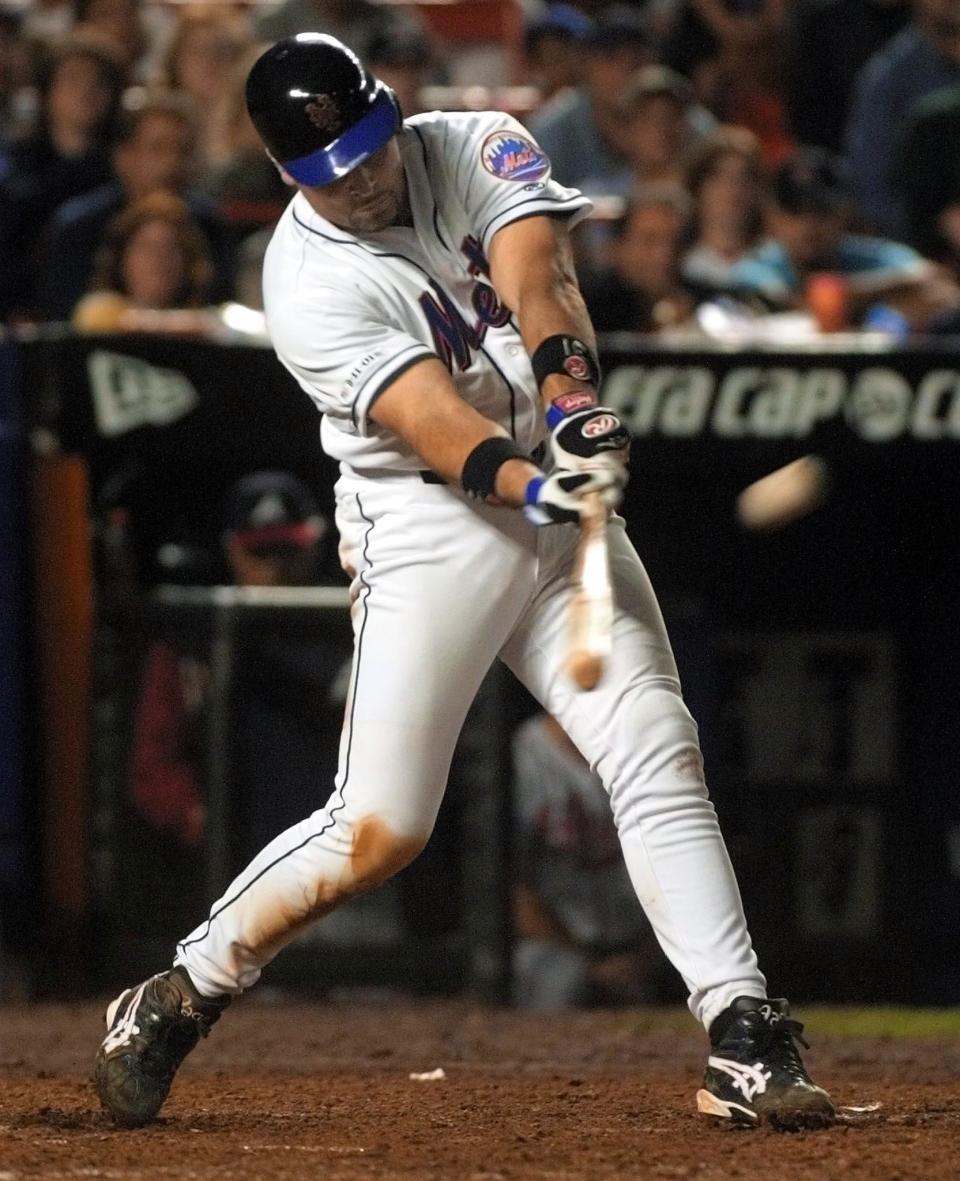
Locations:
{"points": [[689, 764], [376, 854]]}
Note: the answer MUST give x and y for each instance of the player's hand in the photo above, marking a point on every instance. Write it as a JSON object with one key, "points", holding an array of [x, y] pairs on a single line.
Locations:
{"points": [[558, 498], [579, 439]]}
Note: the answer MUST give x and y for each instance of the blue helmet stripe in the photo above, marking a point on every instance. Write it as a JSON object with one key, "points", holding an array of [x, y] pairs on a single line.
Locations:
{"points": [[357, 144]]}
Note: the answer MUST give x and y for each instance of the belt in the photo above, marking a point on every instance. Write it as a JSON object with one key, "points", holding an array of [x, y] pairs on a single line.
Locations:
{"points": [[536, 455]]}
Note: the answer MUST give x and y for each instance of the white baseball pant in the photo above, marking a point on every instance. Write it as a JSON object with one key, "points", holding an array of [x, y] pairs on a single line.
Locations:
{"points": [[441, 586]]}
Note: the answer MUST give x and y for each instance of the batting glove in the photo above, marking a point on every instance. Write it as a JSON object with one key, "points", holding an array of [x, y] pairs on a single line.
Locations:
{"points": [[580, 438], [557, 498]]}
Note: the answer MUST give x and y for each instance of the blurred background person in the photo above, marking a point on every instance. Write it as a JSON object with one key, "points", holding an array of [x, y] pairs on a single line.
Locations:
{"points": [[119, 25], [807, 219], [354, 22], [553, 44], [926, 175], [830, 42], [16, 68], [283, 684], [733, 52], [406, 62], [47, 21], [724, 176], [643, 288], [153, 258], [579, 129], [922, 58], [67, 154], [652, 133], [205, 46], [155, 152], [581, 938], [238, 175]]}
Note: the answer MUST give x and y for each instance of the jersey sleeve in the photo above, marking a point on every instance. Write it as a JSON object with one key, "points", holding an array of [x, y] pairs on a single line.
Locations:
{"points": [[502, 174], [343, 352]]}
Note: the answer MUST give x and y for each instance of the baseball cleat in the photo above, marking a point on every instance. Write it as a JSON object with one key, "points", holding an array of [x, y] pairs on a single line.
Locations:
{"points": [[150, 1030], [755, 1074]]}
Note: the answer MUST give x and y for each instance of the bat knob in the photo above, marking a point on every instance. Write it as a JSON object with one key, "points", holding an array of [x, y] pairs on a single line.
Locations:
{"points": [[585, 669]]}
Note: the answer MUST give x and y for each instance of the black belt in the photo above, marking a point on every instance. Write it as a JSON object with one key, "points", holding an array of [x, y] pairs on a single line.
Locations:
{"points": [[536, 455]]}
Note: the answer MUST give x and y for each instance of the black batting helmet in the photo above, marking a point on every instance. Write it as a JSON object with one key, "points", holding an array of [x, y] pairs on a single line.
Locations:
{"points": [[317, 109]]}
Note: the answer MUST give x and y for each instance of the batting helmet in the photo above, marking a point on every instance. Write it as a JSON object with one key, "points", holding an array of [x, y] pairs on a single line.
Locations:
{"points": [[319, 112]]}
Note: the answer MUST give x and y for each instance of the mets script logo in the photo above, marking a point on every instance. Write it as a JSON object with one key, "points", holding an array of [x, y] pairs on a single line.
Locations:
{"points": [[511, 156]]}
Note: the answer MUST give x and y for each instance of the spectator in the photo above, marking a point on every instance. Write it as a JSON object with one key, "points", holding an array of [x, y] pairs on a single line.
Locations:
{"points": [[733, 52], [831, 41], [240, 177], [553, 44], [118, 25], [581, 938], [724, 178], [644, 290], [652, 132], [404, 62], [14, 76], [153, 258], [354, 22], [155, 151], [67, 154], [922, 58], [272, 536], [927, 175], [206, 45], [806, 220], [46, 22], [579, 129]]}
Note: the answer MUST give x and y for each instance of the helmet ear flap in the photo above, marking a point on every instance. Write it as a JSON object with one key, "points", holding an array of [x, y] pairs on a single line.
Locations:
{"points": [[396, 103]]}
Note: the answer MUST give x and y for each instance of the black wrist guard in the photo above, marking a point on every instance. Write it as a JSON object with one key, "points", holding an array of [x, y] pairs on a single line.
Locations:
{"points": [[568, 355], [479, 473]]}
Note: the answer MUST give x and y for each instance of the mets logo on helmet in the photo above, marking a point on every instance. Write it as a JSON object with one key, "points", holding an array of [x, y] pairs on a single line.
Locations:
{"points": [[323, 113], [511, 156]]}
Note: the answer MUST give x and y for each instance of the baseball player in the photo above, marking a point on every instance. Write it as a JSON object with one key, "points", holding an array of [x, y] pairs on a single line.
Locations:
{"points": [[420, 288]]}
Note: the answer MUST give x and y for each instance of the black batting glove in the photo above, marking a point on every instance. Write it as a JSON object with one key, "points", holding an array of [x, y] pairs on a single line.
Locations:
{"points": [[578, 439]]}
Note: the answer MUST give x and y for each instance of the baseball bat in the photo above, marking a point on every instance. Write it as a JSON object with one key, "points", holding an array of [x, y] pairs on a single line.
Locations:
{"points": [[591, 608]]}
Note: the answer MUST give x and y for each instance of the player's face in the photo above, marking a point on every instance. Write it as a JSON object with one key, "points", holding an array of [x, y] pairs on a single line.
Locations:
{"points": [[368, 199]]}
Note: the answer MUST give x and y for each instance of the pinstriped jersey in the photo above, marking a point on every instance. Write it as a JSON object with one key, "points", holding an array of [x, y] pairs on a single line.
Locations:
{"points": [[349, 314]]}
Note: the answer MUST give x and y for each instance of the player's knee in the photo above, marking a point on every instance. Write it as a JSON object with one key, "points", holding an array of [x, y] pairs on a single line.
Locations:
{"points": [[378, 852], [663, 761]]}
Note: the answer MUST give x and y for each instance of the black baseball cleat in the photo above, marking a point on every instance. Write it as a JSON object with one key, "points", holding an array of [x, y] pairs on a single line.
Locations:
{"points": [[150, 1030], [754, 1072]]}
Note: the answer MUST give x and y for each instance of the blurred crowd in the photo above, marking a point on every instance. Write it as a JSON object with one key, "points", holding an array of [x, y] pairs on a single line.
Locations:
{"points": [[748, 158]]}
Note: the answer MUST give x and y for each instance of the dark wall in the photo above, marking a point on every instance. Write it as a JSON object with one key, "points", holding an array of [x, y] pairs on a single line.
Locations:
{"points": [[821, 659]]}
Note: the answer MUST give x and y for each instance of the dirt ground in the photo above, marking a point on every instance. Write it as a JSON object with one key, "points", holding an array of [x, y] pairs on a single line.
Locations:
{"points": [[308, 1090]]}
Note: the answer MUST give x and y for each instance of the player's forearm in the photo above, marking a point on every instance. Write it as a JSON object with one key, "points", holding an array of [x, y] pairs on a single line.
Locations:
{"points": [[531, 267], [554, 309], [424, 409]]}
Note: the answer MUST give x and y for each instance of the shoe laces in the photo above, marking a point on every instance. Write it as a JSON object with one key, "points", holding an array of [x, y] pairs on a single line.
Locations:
{"points": [[167, 1034], [775, 1041]]}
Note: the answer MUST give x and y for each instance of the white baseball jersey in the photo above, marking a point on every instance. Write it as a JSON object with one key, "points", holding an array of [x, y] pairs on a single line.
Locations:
{"points": [[349, 314]]}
